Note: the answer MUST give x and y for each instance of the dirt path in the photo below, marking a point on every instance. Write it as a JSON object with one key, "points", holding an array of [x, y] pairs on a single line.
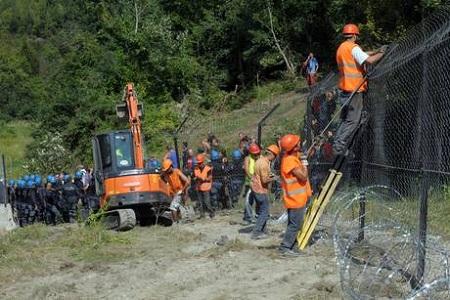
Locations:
{"points": [[201, 260]]}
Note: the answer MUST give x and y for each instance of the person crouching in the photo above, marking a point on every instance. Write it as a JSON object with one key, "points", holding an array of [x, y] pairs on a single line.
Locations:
{"points": [[178, 183]]}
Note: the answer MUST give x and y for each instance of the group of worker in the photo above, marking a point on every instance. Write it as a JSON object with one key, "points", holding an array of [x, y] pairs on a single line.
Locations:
{"points": [[209, 178], [60, 199], [352, 63], [215, 182]]}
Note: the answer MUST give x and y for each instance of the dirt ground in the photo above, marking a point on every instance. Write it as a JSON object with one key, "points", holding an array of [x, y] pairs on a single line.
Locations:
{"points": [[205, 259]]}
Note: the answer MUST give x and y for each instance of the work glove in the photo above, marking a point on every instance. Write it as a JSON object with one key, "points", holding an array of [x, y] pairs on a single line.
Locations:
{"points": [[304, 160]]}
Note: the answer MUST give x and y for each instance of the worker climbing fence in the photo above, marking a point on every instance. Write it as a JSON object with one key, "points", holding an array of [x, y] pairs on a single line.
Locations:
{"points": [[390, 227]]}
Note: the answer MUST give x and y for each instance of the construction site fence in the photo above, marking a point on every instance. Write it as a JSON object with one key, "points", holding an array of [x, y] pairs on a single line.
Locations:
{"points": [[390, 228]]}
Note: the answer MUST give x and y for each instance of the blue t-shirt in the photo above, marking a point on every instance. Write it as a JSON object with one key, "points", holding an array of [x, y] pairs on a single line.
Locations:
{"points": [[173, 158], [312, 66]]}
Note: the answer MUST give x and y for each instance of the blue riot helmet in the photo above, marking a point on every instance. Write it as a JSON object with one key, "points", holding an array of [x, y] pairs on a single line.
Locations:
{"points": [[236, 154], [30, 184], [38, 180], [157, 164], [154, 164], [78, 174], [53, 180], [21, 184], [67, 178], [215, 155], [49, 177], [11, 182], [32, 177]]}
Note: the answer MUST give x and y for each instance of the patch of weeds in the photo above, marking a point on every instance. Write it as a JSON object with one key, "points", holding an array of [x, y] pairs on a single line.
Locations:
{"points": [[96, 243]]}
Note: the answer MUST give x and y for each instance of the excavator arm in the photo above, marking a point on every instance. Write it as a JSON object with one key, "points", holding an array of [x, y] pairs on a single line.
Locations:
{"points": [[132, 109]]}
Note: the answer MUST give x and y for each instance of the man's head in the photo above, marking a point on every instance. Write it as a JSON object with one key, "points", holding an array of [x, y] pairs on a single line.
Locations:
{"points": [[311, 55], [350, 31], [290, 143], [272, 152], [167, 166], [254, 150], [200, 158]]}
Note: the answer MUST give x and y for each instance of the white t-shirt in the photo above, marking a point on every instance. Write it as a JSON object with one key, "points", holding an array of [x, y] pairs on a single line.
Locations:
{"points": [[359, 55]]}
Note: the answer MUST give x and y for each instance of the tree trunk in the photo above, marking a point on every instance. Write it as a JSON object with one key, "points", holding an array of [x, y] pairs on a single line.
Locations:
{"points": [[290, 67]]}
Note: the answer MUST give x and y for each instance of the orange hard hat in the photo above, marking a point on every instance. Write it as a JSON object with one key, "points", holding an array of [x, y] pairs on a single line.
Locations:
{"points": [[274, 149], [289, 141], [254, 149], [350, 29], [200, 158], [167, 163]]}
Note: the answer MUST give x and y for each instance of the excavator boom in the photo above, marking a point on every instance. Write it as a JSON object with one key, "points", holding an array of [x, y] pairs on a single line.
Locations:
{"points": [[132, 109]]}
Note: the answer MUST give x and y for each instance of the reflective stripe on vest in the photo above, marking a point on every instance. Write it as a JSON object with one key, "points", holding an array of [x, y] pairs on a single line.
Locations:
{"points": [[351, 75], [295, 193], [204, 186]]}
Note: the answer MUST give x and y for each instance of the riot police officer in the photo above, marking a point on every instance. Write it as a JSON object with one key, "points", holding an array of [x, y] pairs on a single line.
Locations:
{"points": [[70, 194]]}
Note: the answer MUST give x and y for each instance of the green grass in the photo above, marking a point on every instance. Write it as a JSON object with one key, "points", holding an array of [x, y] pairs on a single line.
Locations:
{"points": [[226, 125], [14, 138], [39, 249]]}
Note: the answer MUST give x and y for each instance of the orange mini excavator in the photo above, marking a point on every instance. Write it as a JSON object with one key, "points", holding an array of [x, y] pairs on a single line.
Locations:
{"points": [[129, 193]]}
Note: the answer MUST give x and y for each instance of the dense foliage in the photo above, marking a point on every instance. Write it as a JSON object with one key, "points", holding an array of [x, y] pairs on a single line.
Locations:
{"points": [[63, 64]]}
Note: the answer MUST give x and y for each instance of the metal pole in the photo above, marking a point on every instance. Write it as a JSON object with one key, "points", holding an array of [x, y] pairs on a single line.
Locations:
{"points": [[362, 216], [260, 123], [5, 193], [421, 251]]}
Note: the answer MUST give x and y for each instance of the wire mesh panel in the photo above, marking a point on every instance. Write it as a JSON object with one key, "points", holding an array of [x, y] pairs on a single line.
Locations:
{"points": [[386, 243], [388, 237]]}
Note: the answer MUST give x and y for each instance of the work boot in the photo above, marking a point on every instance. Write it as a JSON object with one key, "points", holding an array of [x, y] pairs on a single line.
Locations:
{"points": [[290, 252], [259, 236]]}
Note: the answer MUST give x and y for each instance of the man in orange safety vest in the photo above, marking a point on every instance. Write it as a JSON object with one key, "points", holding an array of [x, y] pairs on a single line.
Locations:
{"points": [[351, 61], [296, 191]]}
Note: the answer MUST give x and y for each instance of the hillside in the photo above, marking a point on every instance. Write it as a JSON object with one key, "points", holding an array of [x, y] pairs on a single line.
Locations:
{"points": [[14, 138]]}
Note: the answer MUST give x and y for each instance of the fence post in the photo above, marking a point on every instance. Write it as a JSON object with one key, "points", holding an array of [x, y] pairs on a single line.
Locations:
{"points": [[423, 216], [4, 190], [362, 215], [261, 122]]}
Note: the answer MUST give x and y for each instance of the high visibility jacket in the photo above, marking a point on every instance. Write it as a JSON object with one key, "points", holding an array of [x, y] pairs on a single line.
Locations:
{"points": [[205, 184], [174, 181], [295, 193], [251, 169], [351, 75]]}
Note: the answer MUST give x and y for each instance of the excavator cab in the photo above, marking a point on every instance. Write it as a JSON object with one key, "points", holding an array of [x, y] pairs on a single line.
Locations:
{"points": [[113, 156]]}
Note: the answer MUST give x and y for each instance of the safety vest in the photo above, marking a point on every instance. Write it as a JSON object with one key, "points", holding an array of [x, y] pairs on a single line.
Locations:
{"points": [[295, 193], [203, 186], [351, 75], [251, 169], [174, 180]]}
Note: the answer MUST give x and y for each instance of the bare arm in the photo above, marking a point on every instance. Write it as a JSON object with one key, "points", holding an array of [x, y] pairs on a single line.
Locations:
{"points": [[373, 58], [186, 181], [301, 173]]}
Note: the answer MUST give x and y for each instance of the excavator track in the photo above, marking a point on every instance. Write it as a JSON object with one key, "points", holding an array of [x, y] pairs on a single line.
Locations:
{"points": [[120, 219]]}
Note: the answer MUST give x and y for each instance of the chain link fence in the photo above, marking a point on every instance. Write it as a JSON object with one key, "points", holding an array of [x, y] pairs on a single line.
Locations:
{"points": [[389, 219]]}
